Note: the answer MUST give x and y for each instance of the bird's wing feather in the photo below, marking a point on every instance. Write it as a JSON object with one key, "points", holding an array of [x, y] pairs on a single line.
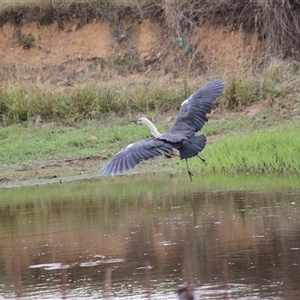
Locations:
{"points": [[192, 114], [133, 154]]}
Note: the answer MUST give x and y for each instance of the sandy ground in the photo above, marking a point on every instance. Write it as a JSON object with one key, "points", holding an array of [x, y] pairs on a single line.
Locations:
{"points": [[51, 172]]}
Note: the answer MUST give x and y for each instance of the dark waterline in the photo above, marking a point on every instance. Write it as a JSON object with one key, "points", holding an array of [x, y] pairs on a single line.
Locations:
{"points": [[232, 237]]}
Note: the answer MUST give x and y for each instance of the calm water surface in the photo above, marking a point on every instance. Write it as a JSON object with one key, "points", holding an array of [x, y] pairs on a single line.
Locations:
{"points": [[140, 237]]}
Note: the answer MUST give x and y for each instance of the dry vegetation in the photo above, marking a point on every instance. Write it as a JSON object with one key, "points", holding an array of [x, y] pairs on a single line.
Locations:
{"points": [[252, 44], [276, 23]]}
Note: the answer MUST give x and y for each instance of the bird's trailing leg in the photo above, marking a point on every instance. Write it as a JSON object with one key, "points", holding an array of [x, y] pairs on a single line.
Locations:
{"points": [[202, 159], [189, 171]]}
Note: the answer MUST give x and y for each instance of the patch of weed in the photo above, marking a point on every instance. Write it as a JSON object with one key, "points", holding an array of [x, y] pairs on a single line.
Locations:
{"points": [[271, 150]]}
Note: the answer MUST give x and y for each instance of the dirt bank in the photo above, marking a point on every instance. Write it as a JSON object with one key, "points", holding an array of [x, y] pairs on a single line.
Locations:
{"points": [[56, 171], [62, 50]]}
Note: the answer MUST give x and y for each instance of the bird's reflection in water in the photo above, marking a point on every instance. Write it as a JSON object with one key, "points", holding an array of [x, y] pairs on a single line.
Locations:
{"points": [[186, 292]]}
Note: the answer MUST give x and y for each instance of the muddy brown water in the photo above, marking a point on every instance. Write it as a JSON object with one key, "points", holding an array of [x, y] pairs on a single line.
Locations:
{"points": [[140, 237]]}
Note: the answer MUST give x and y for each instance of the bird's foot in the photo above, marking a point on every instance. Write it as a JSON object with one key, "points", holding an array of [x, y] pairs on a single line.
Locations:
{"points": [[190, 175], [203, 160]]}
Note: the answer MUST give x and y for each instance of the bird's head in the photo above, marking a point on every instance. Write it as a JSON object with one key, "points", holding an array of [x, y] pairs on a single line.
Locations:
{"points": [[149, 124], [139, 121]]}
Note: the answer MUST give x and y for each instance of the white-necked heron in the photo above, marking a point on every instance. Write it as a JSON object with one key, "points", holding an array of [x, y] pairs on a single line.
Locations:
{"points": [[191, 118]]}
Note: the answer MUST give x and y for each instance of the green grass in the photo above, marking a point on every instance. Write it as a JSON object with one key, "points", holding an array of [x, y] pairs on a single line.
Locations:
{"points": [[277, 84], [42, 124], [271, 150], [20, 102], [233, 150], [34, 145]]}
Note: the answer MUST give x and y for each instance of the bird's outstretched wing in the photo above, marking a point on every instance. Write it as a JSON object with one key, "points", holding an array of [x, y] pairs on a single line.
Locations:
{"points": [[133, 154], [192, 114]]}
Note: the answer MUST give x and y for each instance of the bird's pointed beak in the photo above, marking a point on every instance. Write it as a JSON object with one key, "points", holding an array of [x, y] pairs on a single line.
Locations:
{"points": [[133, 121]]}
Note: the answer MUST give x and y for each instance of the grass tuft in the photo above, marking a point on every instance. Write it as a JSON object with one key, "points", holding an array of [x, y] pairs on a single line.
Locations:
{"points": [[20, 102], [271, 150], [239, 92]]}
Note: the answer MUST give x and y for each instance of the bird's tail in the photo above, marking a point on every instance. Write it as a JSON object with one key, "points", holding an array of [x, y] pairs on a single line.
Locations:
{"points": [[192, 147]]}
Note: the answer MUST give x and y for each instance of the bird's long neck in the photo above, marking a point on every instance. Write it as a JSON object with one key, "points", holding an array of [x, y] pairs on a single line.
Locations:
{"points": [[152, 128]]}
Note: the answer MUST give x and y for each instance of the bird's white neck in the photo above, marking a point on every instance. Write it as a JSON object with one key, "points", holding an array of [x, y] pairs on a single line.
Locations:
{"points": [[152, 128]]}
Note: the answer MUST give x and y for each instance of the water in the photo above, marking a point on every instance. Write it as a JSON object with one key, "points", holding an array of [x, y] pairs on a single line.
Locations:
{"points": [[140, 237]]}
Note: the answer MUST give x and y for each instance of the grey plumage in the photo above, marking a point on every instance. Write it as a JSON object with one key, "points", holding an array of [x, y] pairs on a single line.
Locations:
{"points": [[191, 118], [133, 154]]}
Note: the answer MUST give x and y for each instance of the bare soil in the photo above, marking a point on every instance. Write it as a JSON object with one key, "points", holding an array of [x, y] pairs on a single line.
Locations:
{"points": [[45, 54], [56, 171]]}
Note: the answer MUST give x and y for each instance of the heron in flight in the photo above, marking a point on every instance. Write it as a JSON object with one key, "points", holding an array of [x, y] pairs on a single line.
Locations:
{"points": [[191, 118]]}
